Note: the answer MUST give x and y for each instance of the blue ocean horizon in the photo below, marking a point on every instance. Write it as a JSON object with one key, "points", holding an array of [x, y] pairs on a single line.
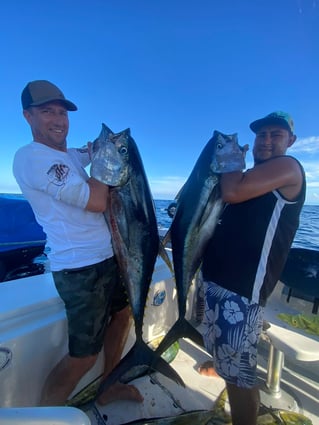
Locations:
{"points": [[307, 235]]}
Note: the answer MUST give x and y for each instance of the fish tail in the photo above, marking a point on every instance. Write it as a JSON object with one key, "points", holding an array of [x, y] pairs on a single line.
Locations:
{"points": [[139, 361], [161, 366], [181, 329], [133, 365], [163, 254], [167, 238]]}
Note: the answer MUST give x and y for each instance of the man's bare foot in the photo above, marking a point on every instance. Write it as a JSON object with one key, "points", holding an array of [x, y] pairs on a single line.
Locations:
{"points": [[120, 391], [207, 369]]}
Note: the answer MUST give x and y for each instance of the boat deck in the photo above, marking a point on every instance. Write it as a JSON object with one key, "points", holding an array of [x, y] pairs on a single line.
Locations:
{"points": [[163, 397], [36, 311]]}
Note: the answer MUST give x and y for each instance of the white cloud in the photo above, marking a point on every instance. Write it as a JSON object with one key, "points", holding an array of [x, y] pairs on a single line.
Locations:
{"points": [[308, 145], [306, 150], [166, 187]]}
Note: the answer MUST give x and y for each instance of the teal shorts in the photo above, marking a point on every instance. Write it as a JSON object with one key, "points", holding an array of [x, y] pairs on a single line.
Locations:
{"points": [[91, 294]]}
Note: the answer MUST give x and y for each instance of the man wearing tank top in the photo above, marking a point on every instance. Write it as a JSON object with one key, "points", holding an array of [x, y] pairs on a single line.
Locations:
{"points": [[245, 257]]}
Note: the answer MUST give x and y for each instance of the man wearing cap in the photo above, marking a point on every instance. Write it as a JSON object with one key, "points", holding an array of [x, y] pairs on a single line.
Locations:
{"points": [[245, 257], [69, 205]]}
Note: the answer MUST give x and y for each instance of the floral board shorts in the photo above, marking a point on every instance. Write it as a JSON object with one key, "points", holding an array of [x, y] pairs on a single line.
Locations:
{"points": [[233, 325], [91, 294]]}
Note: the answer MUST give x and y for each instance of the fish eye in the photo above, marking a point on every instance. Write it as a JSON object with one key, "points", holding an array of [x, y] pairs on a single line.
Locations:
{"points": [[219, 145], [123, 150]]}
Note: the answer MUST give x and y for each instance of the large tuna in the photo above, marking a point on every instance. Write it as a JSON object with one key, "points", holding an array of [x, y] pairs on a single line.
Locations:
{"points": [[109, 163], [198, 209], [132, 222]]}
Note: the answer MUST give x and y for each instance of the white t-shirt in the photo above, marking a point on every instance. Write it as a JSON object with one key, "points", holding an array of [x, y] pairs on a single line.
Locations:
{"points": [[54, 183]]}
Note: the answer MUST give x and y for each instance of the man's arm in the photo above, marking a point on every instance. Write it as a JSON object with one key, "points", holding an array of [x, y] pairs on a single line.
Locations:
{"points": [[98, 197], [281, 173]]}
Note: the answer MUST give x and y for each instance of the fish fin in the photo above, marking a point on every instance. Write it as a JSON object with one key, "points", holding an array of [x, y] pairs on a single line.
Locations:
{"points": [[106, 129], [133, 365], [161, 366], [167, 238], [181, 329], [139, 361], [163, 253]]}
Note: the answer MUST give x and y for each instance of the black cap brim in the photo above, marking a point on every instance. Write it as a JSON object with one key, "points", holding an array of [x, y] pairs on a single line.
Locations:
{"points": [[255, 126], [70, 106]]}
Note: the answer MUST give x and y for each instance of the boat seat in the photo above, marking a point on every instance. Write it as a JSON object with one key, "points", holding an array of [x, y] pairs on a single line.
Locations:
{"points": [[284, 340], [301, 276]]}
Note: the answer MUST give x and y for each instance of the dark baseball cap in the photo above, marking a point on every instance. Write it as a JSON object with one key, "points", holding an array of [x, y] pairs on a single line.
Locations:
{"points": [[283, 119], [38, 92]]}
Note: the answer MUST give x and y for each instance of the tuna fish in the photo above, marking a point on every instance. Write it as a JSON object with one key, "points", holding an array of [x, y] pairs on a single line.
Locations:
{"points": [[199, 206], [132, 222], [109, 145]]}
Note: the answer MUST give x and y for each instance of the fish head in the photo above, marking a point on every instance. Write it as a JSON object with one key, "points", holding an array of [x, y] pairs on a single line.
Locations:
{"points": [[109, 162], [228, 156], [104, 135]]}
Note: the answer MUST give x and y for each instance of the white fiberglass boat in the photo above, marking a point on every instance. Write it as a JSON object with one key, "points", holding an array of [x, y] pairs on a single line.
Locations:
{"points": [[33, 339]]}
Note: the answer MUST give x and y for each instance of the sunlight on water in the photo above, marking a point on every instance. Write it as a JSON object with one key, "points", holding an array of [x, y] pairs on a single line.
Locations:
{"points": [[307, 235]]}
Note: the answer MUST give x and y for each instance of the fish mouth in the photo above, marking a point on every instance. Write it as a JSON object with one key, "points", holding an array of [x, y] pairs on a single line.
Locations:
{"points": [[107, 165]]}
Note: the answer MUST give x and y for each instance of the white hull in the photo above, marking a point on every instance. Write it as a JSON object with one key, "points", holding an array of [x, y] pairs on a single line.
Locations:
{"points": [[33, 339]]}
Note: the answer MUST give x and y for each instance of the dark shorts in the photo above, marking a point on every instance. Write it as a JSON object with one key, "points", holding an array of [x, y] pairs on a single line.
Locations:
{"points": [[91, 294], [233, 327]]}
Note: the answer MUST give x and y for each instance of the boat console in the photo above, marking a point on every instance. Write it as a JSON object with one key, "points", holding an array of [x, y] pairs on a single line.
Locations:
{"points": [[22, 239]]}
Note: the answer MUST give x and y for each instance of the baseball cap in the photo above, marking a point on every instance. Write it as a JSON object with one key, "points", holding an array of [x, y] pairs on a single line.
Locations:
{"points": [[280, 118], [38, 92]]}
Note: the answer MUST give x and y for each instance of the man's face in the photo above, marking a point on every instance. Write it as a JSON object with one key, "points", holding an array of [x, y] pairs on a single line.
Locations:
{"points": [[271, 141], [49, 124]]}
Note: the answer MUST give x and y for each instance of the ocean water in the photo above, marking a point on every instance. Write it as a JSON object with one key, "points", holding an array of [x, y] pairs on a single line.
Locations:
{"points": [[307, 235]]}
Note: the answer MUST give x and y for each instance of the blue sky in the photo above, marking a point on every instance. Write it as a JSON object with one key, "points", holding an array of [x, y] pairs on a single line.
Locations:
{"points": [[171, 70]]}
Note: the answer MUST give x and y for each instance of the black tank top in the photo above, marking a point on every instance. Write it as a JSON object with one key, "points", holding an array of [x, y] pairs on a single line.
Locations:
{"points": [[251, 242]]}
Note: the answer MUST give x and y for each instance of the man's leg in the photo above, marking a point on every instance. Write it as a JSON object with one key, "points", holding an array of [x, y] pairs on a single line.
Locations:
{"points": [[244, 404], [114, 342], [84, 309], [63, 379], [229, 343], [116, 335]]}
